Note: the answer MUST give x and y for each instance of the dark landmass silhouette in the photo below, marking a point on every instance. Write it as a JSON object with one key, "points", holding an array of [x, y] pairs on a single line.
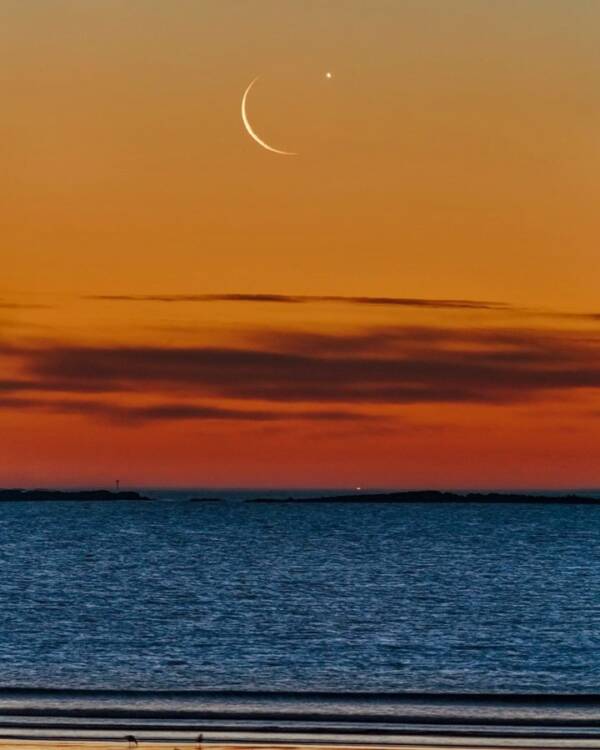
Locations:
{"points": [[435, 496], [409, 496], [12, 495]]}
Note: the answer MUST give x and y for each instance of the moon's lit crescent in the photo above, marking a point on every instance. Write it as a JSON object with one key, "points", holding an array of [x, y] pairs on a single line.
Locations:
{"points": [[250, 130]]}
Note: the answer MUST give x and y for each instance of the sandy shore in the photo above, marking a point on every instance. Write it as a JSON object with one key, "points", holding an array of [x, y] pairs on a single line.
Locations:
{"points": [[36, 744]]}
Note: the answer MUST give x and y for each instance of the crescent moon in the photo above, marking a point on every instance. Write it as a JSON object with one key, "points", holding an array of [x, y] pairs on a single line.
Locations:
{"points": [[250, 129]]}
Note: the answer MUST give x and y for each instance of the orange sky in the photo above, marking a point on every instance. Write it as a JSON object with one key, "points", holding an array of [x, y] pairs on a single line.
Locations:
{"points": [[453, 155]]}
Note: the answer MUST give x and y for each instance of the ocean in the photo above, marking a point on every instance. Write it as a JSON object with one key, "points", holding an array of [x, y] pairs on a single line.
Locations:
{"points": [[240, 612]]}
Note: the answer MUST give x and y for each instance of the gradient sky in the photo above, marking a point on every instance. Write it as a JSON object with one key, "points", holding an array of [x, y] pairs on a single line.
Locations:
{"points": [[412, 301]]}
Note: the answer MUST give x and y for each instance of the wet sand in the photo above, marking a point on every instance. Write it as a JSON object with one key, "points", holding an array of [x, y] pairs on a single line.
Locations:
{"points": [[189, 744], [37, 744]]}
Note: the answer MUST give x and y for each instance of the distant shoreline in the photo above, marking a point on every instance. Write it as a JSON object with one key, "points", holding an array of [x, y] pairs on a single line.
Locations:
{"points": [[437, 496], [19, 495], [380, 498]]}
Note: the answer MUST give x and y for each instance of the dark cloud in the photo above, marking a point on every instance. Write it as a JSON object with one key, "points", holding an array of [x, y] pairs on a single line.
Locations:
{"points": [[171, 411], [56, 385], [590, 316], [302, 299], [390, 366], [14, 386], [290, 299], [4, 305]]}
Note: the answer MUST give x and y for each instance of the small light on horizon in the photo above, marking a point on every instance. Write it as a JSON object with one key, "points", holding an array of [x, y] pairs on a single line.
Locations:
{"points": [[328, 75]]}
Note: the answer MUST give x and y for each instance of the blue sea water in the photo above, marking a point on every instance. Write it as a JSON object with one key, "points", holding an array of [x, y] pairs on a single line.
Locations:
{"points": [[178, 595]]}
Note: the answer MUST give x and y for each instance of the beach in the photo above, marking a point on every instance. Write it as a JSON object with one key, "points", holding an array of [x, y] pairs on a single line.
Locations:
{"points": [[120, 744], [38, 744]]}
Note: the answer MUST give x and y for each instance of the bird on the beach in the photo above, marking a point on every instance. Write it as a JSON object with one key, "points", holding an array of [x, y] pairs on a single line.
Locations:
{"points": [[131, 740]]}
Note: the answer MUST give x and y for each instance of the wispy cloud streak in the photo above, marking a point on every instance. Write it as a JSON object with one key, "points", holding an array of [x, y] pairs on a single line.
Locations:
{"points": [[422, 303], [291, 299], [172, 411]]}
